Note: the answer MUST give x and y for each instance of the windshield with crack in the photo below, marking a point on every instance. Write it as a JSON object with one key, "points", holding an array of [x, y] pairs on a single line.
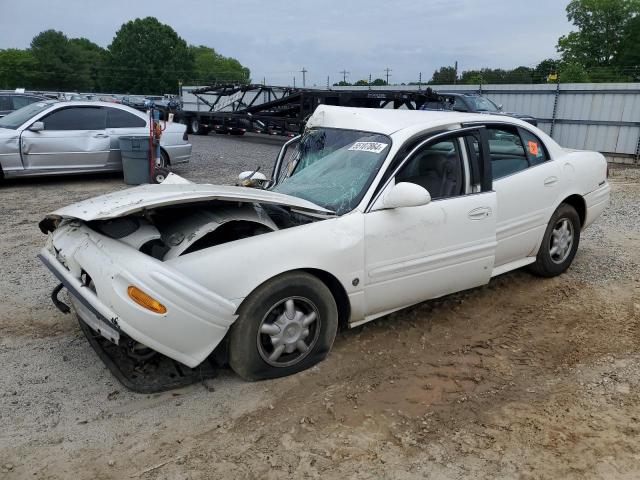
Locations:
{"points": [[334, 168]]}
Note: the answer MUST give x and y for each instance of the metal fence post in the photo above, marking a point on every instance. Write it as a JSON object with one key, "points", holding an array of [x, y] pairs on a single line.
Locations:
{"points": [[638, 149], [555, 109]]}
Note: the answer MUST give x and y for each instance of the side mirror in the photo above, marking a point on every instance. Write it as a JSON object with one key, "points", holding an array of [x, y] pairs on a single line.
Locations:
{"points": [[405, 194], [252, 178], [500, 107], [36, 127]]}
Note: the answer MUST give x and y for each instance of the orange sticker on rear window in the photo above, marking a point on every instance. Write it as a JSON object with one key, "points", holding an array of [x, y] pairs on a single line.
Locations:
{"points": [[533, 148]]}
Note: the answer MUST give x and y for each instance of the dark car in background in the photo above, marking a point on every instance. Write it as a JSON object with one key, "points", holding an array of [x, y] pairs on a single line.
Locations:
{"points": [[473, 103], [10, 101]]}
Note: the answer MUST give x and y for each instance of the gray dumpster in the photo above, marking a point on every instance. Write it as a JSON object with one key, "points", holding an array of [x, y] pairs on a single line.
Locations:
{"points": [[135, 160]]}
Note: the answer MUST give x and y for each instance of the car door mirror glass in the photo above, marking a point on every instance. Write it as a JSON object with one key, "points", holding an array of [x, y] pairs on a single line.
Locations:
{"points": [[36, 127], [405, 194]]}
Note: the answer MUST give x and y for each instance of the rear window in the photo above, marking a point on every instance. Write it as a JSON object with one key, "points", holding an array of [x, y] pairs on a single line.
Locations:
{"points": [[76, 118], [117, 118], [23, 101]]}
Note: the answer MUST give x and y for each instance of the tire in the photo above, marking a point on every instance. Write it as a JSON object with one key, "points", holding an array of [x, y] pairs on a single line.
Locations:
{"points": [[197, 128], [252, 350], [160, 174], [166, 162], [549, 263]]}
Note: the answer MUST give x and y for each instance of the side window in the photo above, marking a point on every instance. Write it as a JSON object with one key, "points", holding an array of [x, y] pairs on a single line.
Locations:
{"points": [[5, 103], [20, 101], [459, 105], [535, 149], [117, 118], [506, 151], [76, 118], [438, 168]]}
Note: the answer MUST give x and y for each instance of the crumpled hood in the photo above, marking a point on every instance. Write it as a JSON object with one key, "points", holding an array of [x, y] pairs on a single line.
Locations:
{"points": [[143, 197]]}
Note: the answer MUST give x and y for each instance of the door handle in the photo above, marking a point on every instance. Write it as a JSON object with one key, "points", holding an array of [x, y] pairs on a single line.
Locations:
{"points": [[549, 181], [479, 213], [100, 135]]}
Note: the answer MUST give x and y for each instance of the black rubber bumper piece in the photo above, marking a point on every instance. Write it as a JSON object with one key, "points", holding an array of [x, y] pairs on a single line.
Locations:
{"points": [[158, 374]]}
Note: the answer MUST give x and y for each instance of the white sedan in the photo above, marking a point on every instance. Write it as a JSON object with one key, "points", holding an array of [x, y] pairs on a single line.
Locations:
{"points": [[369, 212], [52, 137]]}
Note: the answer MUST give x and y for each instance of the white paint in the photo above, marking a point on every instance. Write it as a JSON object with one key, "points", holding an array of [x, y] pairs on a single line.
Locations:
{"points": [[400, 256]]}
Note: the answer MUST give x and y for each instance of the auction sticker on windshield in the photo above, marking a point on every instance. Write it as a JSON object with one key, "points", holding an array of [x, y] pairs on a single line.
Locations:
{"points": [[373, 147]]}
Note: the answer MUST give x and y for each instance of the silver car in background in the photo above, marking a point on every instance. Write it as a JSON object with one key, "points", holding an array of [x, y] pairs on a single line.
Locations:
{"points": [[52, 137]]}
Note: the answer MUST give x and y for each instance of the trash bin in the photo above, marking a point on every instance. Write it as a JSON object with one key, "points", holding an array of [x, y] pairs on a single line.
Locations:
{"points": [[135, 160]]}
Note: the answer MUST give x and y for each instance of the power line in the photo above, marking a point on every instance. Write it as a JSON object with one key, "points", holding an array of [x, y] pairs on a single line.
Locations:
{"points": [[304, 76], [388, 74], [344, 75]]}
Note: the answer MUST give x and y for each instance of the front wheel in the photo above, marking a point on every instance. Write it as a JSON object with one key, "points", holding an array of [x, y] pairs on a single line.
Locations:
{"points": [[285, 326], [559, 244]]}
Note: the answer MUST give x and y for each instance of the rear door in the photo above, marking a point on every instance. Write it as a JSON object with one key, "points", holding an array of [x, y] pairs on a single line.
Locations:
{"points": [[122, 123], [526, 182], [74, 138]]}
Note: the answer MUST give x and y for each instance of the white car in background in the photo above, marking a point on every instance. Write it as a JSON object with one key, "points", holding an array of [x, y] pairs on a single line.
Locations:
{"points": [[369, 212], [53, 137]]}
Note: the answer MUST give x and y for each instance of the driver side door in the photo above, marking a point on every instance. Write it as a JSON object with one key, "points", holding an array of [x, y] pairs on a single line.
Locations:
{"points": [[74, 138], [413, 254]]}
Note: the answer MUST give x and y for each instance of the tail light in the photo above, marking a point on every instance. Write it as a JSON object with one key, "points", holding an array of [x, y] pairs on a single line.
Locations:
{"points": [[185, 136]]}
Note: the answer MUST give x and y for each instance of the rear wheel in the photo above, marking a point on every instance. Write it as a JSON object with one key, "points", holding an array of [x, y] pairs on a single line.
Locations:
{"points": [[285, 326], [161, 171], [559, 244], [197, 127]]}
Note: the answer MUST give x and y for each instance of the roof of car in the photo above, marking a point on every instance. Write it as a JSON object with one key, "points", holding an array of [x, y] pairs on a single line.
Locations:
{"points": [[388, 121], [94, 103]]}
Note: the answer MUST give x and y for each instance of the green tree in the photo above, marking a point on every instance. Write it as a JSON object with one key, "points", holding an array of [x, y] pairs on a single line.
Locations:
{"points": [[545, 68], [56, 62], [519, 75], [90, 61], [147, 56], [65, 64], [378, 82], [361, 83], [572, 72], [211, 67], [628, 58], [601, 26], [471, 77], [16, 68], [342, 83], [443, 76]]}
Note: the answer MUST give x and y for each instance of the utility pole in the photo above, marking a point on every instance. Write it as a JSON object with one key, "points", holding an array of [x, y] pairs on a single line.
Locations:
{"points": [[304, 76], [388, 74], [420, 81], [455, 76], [369, 81], [328, 82], [294, 81], [344, 76]]}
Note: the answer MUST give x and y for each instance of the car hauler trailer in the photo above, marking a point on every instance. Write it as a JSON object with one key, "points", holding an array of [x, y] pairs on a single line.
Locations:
{"points": [[273, 110]]}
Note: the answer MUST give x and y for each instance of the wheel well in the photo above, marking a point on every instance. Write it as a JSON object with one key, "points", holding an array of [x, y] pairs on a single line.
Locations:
{"points": [[577, 202], [338, 292], [166, 155]]}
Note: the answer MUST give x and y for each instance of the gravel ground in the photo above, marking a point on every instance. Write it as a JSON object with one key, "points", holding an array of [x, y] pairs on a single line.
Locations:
{"points": [[524, 378]]}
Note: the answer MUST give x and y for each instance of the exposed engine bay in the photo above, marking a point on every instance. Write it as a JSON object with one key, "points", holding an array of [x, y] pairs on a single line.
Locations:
{"points": [[168, 232]]}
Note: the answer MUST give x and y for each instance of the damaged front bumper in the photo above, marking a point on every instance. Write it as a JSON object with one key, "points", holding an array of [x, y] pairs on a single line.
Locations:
{"points": [[196, 319]]}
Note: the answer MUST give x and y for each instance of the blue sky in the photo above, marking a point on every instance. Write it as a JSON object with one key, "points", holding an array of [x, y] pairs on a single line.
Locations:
{"points": [[276, 39]]}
